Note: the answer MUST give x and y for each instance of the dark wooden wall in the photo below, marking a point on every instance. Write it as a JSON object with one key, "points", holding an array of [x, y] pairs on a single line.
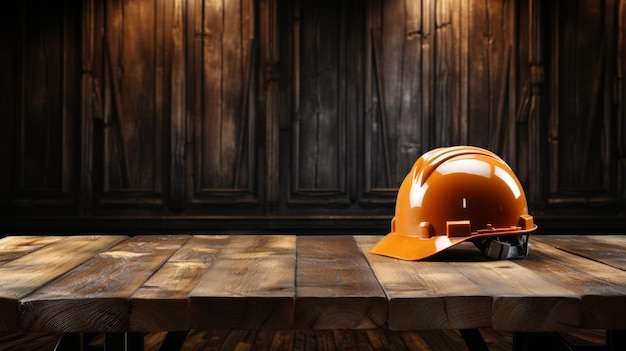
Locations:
{"points": [[272, 115]]}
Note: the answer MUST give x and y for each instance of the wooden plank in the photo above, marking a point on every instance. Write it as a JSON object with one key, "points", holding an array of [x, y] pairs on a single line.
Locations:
{"points": [[497, 66], [24, 275], [445, 71], [178, 122], [95, 295], [607, 249], [13, 247], [478, 73], [524, 300], [256, 288], [336, 288], [428, 294], [413, 134], [233, 83], [162, 302], [391, 58], [210, 150], [602, 287]]}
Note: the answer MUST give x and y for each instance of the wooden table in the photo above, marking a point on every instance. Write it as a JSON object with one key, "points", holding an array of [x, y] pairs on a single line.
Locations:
{"points": [[126, 286]]}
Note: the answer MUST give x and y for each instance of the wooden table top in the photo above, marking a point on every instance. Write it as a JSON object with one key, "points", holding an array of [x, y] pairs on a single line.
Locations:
{"points": [[177, 282]]}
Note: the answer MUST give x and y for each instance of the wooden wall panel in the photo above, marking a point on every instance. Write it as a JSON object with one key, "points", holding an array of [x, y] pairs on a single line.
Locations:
{"points": [[40, 104], [620, 97], [132, 108], [396, 132], [283, 108], [9, 65], [225, 154], [446, 77], [582, 115], [321, 70], [490, 44]]}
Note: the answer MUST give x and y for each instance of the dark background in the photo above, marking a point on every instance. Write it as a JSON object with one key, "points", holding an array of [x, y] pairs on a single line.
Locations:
{"points": [[281, 116]]}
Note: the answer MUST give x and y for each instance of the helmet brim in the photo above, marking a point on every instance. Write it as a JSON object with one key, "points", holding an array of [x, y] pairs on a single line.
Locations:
{"points": [[413, 248]]}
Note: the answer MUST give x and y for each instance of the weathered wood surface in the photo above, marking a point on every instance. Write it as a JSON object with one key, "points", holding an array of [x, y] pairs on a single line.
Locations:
{"points": [[428, 295], [12, 247], [181, 282], [95, 295], [593, 266], [251, 285], [22, 276], [336, 289], [567, 281], [162, 303]]}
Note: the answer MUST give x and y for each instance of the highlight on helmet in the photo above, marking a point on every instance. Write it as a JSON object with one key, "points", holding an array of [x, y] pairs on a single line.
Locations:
{"points": [[455, 194]]}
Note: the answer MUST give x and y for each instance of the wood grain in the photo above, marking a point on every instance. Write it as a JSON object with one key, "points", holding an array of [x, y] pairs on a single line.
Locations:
{"points": [[601, 287], [251, 285], [95, 295], [427, 294], [523, 300], [606, 249], [335, 286], [24, 275], [162, 302], [13, 247]]}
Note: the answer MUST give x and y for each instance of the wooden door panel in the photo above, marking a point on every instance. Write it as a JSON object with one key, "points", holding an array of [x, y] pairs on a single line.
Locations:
{"points": [[224, 119], [130, 84], [319, 148], [581, 120], [39, 105]]}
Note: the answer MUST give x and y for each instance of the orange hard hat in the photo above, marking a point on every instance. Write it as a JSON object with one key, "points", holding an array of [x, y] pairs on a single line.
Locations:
{"points": [[455, 194]]}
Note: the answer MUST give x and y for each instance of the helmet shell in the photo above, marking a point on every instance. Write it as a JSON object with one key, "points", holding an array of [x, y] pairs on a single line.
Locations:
{"points": [[451, 195]]}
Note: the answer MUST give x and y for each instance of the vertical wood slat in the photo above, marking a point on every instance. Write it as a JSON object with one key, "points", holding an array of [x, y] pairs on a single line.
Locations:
{"points": [[429, 79], [555, 111], [71, 96], [320, 116], [234, 45], [416, 119], [257, 286], [99, 290], [178, 133], [133, 108], [460, 16], [41, 93], [321, 73], [27, 273], [610, 29], [378, 161], [478, 75], [621, 100], [392, 57], [386, 153], [580, 160], [225, 162], [88, 104], [269, 47], [9, 66], [495, 76], [445, 72], [534, 190], [595, 38], [132, 59]]}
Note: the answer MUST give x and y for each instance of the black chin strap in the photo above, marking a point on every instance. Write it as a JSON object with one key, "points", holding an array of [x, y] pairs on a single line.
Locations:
{"points": [[504, 247]]}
